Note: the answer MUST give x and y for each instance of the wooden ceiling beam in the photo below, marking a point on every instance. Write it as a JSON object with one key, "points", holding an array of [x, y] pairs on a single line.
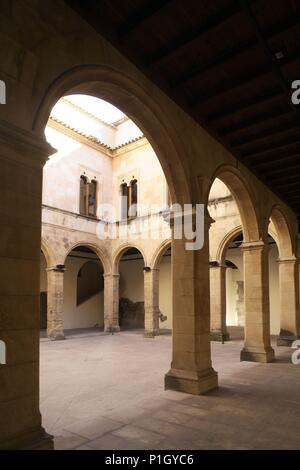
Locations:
{"points": [[264, 134], [278, 162], [232, 53], [252, 122], [198, 99], [294, 184], [270, 147], [272, 153], [248, 77], [184, 39], [139, 17], [274, 64], [295, 176], [287, 193], [258, 100], [283, 171]]}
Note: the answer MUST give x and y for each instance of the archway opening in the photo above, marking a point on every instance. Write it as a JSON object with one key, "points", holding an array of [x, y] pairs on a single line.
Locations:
{"points": [[131, 290], [274, 295], [43, 294], [162, 274], [165, 292], [83, 300], [226, 260], [284, 280], [103, 188], [235, 308]]}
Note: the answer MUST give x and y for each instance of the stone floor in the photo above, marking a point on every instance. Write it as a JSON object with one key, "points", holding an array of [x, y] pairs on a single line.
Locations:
{"points": [[106, 392]]}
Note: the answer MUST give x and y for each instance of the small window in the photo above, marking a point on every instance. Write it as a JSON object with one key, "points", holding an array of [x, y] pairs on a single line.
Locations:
{"points": [[92, 206], [133, 199], [88, 197], [83, 195], [124, 201]]}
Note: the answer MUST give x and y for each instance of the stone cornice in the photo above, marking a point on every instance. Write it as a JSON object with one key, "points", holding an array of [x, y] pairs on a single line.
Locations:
{"points": [[90, 115], [93, 142], [255, 245], [74, 134], [129, 146], [121, 121]]}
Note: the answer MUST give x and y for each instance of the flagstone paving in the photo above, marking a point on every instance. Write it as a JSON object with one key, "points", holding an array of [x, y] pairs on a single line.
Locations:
{"points": [[102, 391]]}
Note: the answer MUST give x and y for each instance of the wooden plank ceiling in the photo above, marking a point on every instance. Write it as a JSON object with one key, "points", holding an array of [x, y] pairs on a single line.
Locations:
{"points": [[229, 64]]}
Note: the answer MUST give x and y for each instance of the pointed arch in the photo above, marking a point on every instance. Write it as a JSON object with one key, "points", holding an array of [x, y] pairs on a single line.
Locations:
{"points": [[120, 252], [48, 253], [159, 252], [229, 237], [244, 199], [283, 234], [104, 258], [114, 86]]}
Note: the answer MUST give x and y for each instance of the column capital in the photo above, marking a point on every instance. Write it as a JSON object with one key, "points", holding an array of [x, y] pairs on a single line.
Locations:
{"points": [[253, 245], [21, 142], [288, 260], [217, 264], [150, 270], [112, 275], [58, 268]]}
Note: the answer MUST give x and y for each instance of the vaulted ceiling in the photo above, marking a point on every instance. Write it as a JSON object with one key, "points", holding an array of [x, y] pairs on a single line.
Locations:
{"points": [[229, 64]]}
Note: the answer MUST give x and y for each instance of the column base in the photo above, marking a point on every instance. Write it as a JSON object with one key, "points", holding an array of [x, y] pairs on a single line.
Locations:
{"points": [[286, 338], [151, 333], [112, 329], [191, 381], [36, 440], [257, 355], [217, 335], [56, 335]]}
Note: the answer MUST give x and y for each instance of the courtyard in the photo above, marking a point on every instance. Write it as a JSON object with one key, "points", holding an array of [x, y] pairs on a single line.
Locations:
{"points": [[101, 391]]}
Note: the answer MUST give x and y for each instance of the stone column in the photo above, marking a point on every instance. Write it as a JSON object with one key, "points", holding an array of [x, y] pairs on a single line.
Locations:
{"points": [[111, 303], [55, 303], [289, 301], [191, 369], [257, 346], [218, 329], [151, 302], [22, 156]]}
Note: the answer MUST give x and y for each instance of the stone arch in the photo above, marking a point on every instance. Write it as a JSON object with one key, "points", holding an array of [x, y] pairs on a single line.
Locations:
{"points": [[48, 253], [120, 252], [221, 251], [98, 251], [241, 192], [159, 252], [107, 83], [282, 232]]}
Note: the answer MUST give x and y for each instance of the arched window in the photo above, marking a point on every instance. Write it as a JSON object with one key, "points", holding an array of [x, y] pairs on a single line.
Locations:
{"points": [[129, 199], [88, 197], [133, 199]]}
